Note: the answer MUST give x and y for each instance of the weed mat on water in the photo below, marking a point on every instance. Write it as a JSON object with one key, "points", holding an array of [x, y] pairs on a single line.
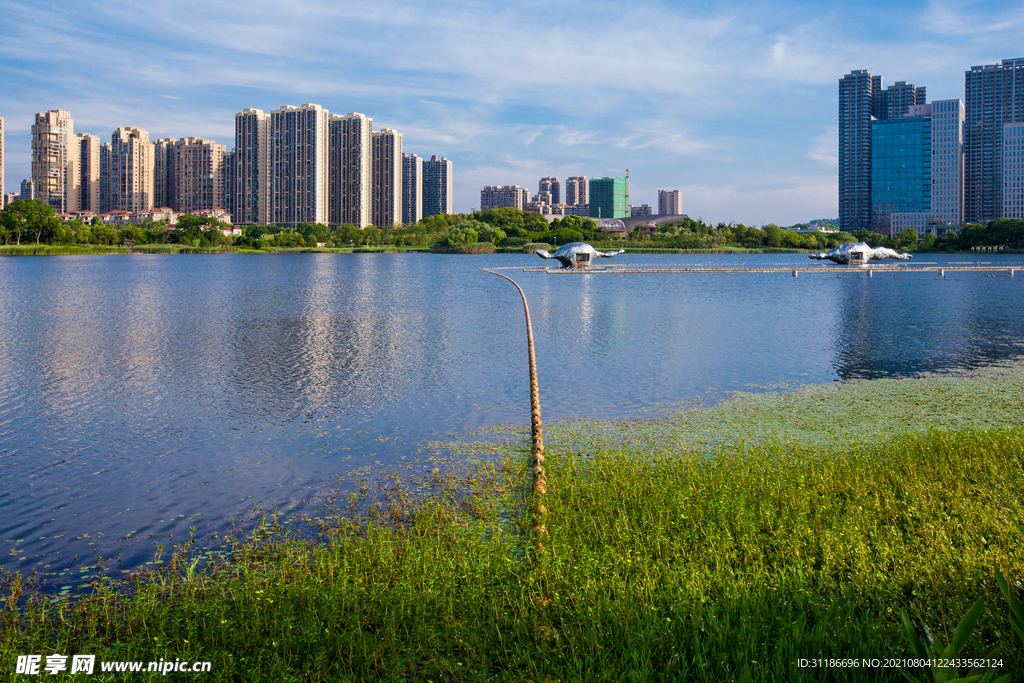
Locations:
{"points": [[667, 558]]}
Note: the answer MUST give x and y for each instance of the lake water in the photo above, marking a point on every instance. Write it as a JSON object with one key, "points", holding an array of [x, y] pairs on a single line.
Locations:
{"points": [[149, 394]]}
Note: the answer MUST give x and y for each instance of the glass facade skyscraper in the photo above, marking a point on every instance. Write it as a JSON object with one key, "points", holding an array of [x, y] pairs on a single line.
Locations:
{"points": [[862, 101], [901, 168]]}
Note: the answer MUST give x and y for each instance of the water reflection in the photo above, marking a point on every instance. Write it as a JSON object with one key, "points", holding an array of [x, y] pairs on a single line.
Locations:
{"points": [[150, 394]]}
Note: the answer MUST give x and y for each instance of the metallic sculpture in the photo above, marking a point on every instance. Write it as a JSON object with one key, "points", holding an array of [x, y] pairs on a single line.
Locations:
{"points": [[576, 253], [859, 253]]}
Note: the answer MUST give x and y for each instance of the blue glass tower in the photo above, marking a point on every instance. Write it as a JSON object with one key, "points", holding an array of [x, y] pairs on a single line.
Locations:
{"points": [[901, 168]]}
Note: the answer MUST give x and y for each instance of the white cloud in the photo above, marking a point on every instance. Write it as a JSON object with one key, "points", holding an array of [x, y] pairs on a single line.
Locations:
{"points": [[825, 147]]}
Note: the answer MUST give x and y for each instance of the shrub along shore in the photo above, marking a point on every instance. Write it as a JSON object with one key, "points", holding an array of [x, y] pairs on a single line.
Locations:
{"points": [[666, 558]]}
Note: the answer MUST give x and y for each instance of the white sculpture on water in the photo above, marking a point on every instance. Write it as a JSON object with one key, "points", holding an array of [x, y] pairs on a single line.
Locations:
{"points": [[859, 252], [576, 253]]}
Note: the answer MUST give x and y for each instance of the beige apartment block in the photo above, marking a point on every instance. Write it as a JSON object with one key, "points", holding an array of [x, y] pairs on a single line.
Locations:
{"points": [[252, 167], [387, 178], [298, 165], [3, 196], [130, 175], [576, 190], [553, 187], [670, 202], [351, 162], [55, 161], [197, 174], [163, 173], [503, 197], [88, 172]]}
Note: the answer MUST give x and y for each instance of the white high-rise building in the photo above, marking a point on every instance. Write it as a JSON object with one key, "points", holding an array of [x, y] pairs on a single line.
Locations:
{"points": [[252, 167], [387, 178], [130, 170], [1013, 170], [89, 172], [351, 169], [670, 202], [298, 165], [412, 189], [437, 186], [55, 160], [948, 161]]}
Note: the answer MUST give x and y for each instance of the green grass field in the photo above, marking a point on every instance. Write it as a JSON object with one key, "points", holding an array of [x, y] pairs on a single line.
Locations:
{"points": [[723, 543]]}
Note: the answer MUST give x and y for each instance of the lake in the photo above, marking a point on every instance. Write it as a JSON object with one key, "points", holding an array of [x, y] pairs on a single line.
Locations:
{"points": [[149, 394]]}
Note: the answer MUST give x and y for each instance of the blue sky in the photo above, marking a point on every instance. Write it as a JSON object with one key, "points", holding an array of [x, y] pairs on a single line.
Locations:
{"points": [[734, 103]]}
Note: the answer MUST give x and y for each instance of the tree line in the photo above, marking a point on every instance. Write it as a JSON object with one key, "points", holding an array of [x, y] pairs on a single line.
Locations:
{"points": [[33, 221]]}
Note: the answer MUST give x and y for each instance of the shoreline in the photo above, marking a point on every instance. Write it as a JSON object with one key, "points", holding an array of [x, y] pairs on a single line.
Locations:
{"points": [[707, 557], [150, 249]]}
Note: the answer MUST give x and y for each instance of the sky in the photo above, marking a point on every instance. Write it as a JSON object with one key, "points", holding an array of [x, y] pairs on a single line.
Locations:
{"points": [[733, 103]]}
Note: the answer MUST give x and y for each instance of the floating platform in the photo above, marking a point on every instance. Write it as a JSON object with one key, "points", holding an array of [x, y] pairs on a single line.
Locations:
{"points": [[870, 270]]}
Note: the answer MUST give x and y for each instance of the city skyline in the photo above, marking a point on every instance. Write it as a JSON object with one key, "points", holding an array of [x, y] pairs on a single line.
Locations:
{"points": [[732, 104]]}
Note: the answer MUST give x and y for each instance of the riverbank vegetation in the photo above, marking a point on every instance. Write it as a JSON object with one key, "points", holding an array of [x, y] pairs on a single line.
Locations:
{"points": [[506, 230], [670, 555]]}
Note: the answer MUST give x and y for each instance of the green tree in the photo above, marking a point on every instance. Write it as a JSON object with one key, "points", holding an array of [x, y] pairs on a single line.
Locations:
{"points": [[30, 216], [460, 237], [907, 238]]}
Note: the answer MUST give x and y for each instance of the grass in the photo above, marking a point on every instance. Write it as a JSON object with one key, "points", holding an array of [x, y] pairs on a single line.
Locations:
{"points": [[58, 249], [661, 564]]}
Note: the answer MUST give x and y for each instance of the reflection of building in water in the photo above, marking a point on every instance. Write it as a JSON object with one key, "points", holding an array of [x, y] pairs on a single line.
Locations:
{"points": [[915, 324]]}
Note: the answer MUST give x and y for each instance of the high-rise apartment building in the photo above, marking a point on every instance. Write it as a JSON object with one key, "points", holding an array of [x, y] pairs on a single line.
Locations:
{"points": [[1013, 170], [412, 188], [228, 168], [252, 168], [55, 160], [862, 100], [2, 194], [351, 160], [437, 187], [948, 161], [130, 175], [670, 202], [609, 197], [387, 178], [993, 97], [28, 189], [105, 153], [896, 100], [857, 94], [901, 167], [163, 173], [504, 197], [553, 186], [298, 165], [197, 174], [540, 203], [89, 172], [576, 190]]}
